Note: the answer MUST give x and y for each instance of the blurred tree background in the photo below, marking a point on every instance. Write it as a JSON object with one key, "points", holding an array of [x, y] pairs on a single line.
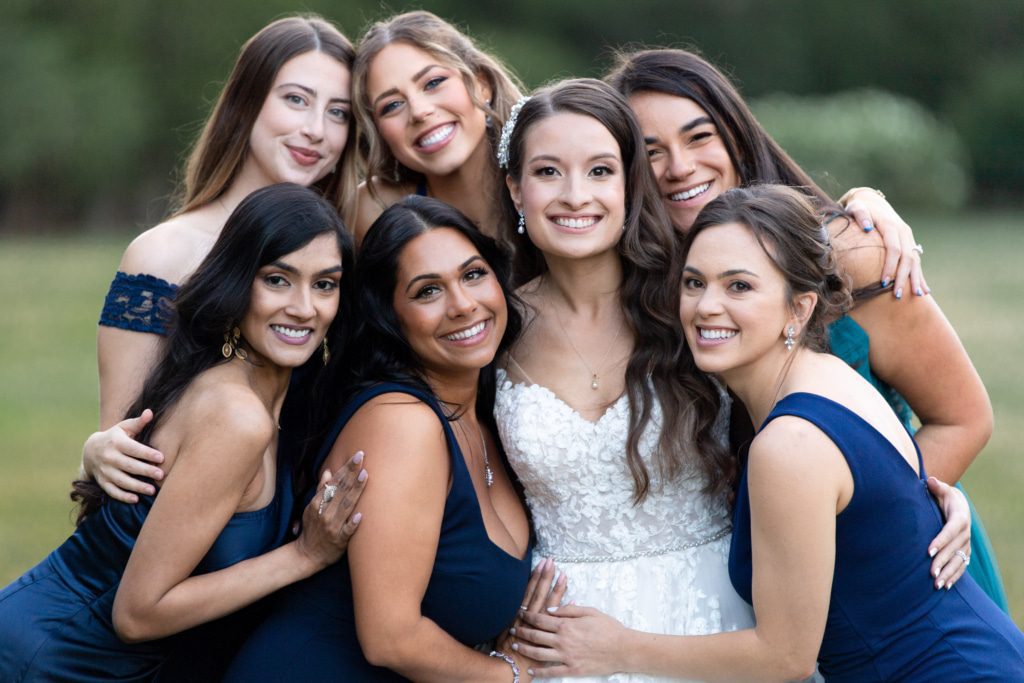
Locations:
{"points": [[924, 98]]}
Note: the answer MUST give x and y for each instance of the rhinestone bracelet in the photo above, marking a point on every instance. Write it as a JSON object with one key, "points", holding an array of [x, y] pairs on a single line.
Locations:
{"points": [[511, 662]]}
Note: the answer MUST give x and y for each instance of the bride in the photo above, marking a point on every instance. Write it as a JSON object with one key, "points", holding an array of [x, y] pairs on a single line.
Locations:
{"points": [[620, 449]]}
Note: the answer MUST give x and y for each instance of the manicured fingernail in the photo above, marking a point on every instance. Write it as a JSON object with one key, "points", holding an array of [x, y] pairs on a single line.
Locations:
{"points": [[868, 227], [935, 573], [356, 518], [885, 282], [932, 551], [530, 671], [362, 475], [551, 610], [941, 583], [515, 646], [919, 291], [512, 631], [899, 293]]}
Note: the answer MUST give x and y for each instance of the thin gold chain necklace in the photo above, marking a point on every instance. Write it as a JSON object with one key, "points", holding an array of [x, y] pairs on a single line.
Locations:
{"points": [[595, 378]]}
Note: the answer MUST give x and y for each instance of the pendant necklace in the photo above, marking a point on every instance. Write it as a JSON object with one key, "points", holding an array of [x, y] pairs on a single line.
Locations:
{"points": [[488, 472], [595, 382]]}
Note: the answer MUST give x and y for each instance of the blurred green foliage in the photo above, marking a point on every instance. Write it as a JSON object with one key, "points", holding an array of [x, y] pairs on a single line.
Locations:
{"points": [[870, 137], [108, 94]]}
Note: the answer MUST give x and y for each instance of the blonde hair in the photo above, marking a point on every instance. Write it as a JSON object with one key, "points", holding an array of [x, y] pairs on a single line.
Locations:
{"points": [[429, 33], [223, 145]]}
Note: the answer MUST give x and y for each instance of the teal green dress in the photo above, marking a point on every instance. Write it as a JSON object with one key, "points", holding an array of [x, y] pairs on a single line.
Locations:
{"points": [[850, 342]]}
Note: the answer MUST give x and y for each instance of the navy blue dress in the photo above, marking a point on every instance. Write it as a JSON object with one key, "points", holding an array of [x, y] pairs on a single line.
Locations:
{"points": [[473, 593], [850, 342], [885, 620], [56, 622]]}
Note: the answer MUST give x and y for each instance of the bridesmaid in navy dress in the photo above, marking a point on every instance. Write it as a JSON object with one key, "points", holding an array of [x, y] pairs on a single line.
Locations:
{"points": [[442, 559], [106, 603]]}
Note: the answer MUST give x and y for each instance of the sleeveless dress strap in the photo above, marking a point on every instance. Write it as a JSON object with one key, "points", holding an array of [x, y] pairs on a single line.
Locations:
{"points": [[140, 303], [368, 394]]}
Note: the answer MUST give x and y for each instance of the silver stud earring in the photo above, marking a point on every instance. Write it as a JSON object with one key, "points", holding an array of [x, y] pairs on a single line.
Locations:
{"points": [[790, 338], [521, 228]]}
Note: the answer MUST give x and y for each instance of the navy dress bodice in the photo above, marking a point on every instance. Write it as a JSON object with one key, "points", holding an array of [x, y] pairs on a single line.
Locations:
{"points": [[886, 621], [56, 622], [473, 592], [851, 343]]}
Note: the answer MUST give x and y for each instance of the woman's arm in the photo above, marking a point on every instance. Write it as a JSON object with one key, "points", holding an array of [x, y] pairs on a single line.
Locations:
{"points": [[218, 470], [797, 481], [916, 351], [392, 557], [111, 456]]}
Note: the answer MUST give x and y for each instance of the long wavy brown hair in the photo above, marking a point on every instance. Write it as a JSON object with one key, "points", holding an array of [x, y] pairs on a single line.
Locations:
{"points": [[222, 146], [660, 365]]}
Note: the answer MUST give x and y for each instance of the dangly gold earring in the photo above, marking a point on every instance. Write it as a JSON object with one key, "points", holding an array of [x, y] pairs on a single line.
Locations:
{"points": [[327, 352], [231, 347]]}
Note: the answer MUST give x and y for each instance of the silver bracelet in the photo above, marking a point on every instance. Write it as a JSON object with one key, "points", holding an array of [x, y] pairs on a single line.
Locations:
{"points": [[511, 662]]}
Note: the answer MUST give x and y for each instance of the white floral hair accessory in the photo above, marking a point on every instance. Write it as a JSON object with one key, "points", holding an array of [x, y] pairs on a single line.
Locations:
{"points": [[506, 131]]}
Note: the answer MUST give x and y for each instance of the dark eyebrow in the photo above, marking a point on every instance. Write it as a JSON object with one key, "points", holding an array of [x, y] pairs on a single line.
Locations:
{"points": [[737, 271], [311, 92], [699, 121], [723, 274], [415, 77], [436, 276], [550, 157], [685, 128], [281, 265]]}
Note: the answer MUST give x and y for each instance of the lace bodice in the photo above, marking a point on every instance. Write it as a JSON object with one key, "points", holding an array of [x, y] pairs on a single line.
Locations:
{"points": [[579, 487]]}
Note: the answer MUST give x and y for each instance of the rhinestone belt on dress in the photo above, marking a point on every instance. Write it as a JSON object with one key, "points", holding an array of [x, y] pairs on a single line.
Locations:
{"points": [[721, 533]]}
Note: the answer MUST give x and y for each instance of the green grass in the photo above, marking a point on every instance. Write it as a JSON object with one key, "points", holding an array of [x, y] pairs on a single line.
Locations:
{"points": [[48, 401]]}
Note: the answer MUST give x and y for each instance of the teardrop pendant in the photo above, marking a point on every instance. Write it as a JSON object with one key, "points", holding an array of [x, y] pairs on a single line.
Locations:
{"points": [[593, 384]]}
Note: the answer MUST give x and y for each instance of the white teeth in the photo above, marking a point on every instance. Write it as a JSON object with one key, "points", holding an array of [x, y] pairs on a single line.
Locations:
{"points": [[689, 194], [291, 331], [576, 223], [437, 136], [716, 334], [466, 334]]}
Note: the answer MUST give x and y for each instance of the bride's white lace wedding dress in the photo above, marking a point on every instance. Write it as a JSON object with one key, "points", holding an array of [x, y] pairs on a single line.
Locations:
{"points": [[660, 566]]}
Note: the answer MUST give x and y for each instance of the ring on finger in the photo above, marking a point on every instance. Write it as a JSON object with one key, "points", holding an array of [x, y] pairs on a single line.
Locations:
{"points": [[328, 495], [919, 249], [963, 556]]}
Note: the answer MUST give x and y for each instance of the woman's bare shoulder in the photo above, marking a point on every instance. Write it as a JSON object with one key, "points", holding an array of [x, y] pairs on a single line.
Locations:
{"points": [[173, 249]]}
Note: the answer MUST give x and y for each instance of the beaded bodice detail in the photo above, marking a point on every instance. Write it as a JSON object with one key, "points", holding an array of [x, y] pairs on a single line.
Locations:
{"points": [[579, 488]]}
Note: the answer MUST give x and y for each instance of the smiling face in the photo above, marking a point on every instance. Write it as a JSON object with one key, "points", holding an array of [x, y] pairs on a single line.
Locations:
{"points": [[302, 127], [449, 304], [687, 154], [734, 305], [293, 302], [572, 188], [423, 111]]}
